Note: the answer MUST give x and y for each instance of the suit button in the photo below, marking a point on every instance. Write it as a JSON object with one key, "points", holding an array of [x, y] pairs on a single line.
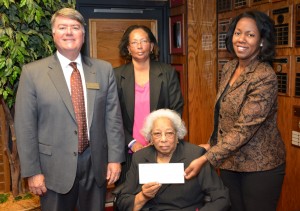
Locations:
{"points": [[75, 153], [75, 131]]}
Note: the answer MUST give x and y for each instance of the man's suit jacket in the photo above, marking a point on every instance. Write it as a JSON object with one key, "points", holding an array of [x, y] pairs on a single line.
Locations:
{"points": [[46, 127], [165, 92], [185, 197]]}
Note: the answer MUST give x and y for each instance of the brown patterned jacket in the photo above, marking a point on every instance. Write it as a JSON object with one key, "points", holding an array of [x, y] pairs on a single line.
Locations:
{"points": [[247, 138]]}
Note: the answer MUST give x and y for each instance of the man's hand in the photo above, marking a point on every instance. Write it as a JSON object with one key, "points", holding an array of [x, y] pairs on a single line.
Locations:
{"points": [[195, 166], [113, 172], [37, 185]]}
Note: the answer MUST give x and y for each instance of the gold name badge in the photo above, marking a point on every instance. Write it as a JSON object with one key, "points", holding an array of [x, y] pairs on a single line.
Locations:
{"points": [[92, 85]]}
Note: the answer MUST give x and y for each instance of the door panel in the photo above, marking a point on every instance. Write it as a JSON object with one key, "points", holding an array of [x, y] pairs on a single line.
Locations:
{"points": [[105, 35]]}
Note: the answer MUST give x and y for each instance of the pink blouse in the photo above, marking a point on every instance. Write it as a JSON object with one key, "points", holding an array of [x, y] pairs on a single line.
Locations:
{"points": [[141, 111]]}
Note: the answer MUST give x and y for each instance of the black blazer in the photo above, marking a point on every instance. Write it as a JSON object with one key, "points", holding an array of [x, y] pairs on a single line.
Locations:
{"points": [[165, 92], [185, 197]]}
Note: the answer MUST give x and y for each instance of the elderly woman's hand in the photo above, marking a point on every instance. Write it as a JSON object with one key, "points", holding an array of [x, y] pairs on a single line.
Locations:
{"points": [[150, 189], [136, 146]]}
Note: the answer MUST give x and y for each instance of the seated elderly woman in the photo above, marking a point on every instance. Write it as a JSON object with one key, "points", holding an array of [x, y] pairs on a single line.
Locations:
{"points": [[165, 130]]}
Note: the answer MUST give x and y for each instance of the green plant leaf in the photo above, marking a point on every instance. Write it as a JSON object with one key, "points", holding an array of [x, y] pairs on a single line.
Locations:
{"points": [[16, 74], [23, 3], [27, 196], [18, 198], [4, 38], [4, 19], [6, 3], [8, 44], [5, 94], [9, 62], [3, 197], [9, 32], [2, 62]]}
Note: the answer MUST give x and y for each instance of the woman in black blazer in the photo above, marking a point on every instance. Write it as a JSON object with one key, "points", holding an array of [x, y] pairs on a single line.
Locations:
{"points": [[144, 85], [165, 130]]}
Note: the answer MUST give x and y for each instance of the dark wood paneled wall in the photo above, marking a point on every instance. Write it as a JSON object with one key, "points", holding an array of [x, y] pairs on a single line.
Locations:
{"points": [[201, 63]]}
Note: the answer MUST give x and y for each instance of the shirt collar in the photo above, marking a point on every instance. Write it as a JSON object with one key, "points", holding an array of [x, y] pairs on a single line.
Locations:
{"points": [[65, 62]]}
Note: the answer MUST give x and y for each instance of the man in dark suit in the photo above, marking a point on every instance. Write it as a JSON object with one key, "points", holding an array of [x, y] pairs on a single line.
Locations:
{"points": [[47, 125]]}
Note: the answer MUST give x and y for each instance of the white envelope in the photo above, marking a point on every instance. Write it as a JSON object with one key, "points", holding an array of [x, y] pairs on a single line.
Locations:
{"points": [[163, 173]]}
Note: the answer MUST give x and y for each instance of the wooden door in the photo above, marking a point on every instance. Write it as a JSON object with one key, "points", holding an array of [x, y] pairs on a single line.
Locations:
{"points": [[105, 35]]}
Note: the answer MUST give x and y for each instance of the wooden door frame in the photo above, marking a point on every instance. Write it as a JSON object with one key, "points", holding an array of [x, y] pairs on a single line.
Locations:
{"points": [[158, 11]]}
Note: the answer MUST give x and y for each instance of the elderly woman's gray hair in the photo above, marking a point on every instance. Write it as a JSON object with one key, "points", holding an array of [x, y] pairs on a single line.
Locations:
{"points": [[175, 118]]}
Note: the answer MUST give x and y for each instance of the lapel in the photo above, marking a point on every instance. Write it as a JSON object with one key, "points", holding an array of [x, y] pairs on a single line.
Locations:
{"points": [[127, 87], [230, 70], [155, 84], [58, 79], [90, 77], [150, 155], [178, 155], [245, 75], [240, 80]]}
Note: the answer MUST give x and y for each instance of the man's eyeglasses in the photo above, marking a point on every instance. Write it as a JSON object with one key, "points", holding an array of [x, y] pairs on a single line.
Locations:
{"points": [[168, 135], [135, 43]]}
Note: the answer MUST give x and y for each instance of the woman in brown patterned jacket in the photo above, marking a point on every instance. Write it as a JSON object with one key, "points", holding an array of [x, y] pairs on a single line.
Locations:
{"points": [[246, 144]]}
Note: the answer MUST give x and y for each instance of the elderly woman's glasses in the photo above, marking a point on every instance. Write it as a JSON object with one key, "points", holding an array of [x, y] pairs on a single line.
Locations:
{"points": [[135, 43], [168, 135]]}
